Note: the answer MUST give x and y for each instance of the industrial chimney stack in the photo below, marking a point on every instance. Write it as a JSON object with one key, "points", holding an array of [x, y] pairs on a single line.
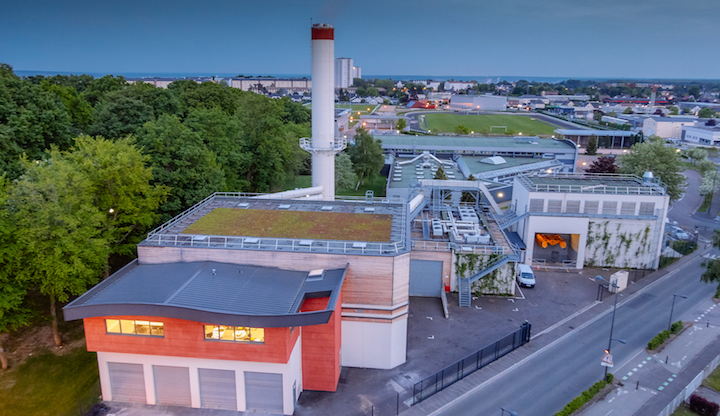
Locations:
{"points": [[323, 146]]}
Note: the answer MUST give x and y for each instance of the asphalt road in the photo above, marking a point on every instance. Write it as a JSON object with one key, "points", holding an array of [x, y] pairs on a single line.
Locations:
{"points": [[559, 372]]}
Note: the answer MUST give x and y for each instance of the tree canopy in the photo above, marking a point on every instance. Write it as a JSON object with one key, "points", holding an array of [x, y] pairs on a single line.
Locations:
{"points": [[366, 155], [653, 156], [603, 164]]}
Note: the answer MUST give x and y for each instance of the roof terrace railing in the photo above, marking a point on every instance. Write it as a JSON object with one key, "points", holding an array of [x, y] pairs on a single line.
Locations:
{"points": [[656, 188], [276, 244], [423, 245]]}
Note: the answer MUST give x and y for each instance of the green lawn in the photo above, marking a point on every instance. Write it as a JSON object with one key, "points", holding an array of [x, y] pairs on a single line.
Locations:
{"points": [[51, 385], [713, 380], [683, 411], [446, 123]]}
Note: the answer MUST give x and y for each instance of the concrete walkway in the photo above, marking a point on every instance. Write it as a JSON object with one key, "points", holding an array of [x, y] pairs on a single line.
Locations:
{"points": [[648, 382]]}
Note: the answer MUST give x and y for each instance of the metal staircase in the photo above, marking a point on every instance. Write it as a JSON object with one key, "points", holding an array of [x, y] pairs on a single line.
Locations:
{"points": [[511, 218], [465, 284]]}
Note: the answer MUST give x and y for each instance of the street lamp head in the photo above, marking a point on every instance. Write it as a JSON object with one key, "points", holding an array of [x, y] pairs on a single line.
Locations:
{"points": [[598, 277], [680, 296], [622, 341], [510, 412]]}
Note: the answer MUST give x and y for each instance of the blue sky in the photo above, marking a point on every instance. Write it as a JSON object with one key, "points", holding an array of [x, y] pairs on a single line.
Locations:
{"points": [[550, 38]]}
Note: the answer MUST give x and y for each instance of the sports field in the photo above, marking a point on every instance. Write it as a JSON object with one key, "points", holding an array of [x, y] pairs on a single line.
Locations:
{"points": [[483, 124]]}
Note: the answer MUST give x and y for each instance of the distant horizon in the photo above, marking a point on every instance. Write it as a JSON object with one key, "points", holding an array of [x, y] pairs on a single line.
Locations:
{"points": [[479, 78]]}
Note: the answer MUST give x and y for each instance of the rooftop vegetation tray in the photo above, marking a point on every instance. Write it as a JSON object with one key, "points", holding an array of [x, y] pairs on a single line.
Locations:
{"points": [[294, 224]]}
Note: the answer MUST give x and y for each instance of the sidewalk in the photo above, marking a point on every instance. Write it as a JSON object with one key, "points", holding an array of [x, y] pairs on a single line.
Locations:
{"points": [[648, 383]]}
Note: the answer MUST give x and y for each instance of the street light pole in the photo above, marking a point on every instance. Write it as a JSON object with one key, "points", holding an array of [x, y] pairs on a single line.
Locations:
{"points": [[675, 295], [510, 412], [612, 322]]}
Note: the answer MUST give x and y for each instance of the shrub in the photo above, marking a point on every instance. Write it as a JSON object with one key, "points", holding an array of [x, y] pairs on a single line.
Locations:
{"points": [[585, 397], [676, 327], [609, 378], [658, 340], [703, 407], [684, 247]]}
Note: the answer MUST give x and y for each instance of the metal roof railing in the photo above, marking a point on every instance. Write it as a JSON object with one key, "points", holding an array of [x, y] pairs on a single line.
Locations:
{"points": [[276, 244], [597, 183]]}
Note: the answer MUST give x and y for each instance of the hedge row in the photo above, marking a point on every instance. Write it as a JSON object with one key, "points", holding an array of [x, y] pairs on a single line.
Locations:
{"points": [[664, 335], [658, 340], [585, 397]]}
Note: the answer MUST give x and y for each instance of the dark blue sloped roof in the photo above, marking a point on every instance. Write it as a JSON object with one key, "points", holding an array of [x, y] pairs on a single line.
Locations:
{"points": [[222, 293]]}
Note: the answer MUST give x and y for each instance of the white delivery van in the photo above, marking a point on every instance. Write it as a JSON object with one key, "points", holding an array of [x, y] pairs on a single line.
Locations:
{"points": [[525, 276]]}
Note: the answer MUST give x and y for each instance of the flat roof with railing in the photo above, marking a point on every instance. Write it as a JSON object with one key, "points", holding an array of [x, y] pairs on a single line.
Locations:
{"points": [[594, 183], [352, 225]]}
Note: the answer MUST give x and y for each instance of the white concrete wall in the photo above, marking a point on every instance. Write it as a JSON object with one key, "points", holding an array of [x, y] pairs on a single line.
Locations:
{"points": [[291, 371], [380, 345], [621, 243]]}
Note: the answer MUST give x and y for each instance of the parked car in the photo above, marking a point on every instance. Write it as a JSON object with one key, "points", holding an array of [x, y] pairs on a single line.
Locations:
{"points": [[680, 234], [525, 276]]}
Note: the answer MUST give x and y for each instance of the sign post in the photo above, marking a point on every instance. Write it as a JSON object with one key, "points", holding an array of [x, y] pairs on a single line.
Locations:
{"points": [[607, 361]]}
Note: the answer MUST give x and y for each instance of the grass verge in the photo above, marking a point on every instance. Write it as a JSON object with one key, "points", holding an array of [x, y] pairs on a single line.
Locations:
{"points": [[51, 385], [713, 380]]}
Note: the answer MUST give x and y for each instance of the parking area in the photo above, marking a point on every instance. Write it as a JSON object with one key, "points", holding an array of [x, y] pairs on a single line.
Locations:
{"points": [[434, 342]]}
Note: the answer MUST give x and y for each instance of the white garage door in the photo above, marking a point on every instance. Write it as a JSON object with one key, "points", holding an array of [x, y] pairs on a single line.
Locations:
{"points": [[217, 389], [425, 278], [127, 382], [172, 385], [264, 391]]}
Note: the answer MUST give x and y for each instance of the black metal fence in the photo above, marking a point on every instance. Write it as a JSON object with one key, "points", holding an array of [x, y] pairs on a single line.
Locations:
{"points": [[468, 365]]}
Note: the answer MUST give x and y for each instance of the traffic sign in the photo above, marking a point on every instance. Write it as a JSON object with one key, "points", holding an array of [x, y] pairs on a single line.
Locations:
{"points": [[607, 361]]}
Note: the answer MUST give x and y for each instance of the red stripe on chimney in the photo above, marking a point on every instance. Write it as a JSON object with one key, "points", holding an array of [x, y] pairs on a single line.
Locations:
{"points": [[323, 33]]}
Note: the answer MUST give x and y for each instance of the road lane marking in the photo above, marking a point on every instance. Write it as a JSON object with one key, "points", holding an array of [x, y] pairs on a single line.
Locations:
{"points": [[558, 340]]}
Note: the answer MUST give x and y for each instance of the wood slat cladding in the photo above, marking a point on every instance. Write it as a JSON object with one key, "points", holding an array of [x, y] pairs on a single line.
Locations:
{"points": [[370, 280]]}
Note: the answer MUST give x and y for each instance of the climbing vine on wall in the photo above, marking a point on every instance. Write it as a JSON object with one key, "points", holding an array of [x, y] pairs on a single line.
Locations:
{"points": [[496, 282], [618, 248]]}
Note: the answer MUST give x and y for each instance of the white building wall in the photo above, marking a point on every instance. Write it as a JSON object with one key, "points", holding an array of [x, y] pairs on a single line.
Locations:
{"points": [[380, 345], [701, 136], [609, 242], [291, 371], [343, 72]]}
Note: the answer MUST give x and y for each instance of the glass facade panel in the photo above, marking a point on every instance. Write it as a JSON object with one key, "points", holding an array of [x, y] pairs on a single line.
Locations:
{"points": [[257, 334], [226, 333], [142, 327], [157, 329], [112, 326], [212, 332], [127, 327], [242, 333], [132, 327]]}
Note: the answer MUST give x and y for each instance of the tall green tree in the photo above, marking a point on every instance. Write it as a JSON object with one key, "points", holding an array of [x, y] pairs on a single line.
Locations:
{"points": [[604, 164], [13, 313], [440, 174], [653, 156], [31, 120], [119, 117], [345, 176], [79, 110], [266, 141], [366, 155], [225, 136], [712, 267], [697, 153], [180, 161], [706, 112], [61, 246], [97, 90], [401, 124], [119, 180], [592, 146]]}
